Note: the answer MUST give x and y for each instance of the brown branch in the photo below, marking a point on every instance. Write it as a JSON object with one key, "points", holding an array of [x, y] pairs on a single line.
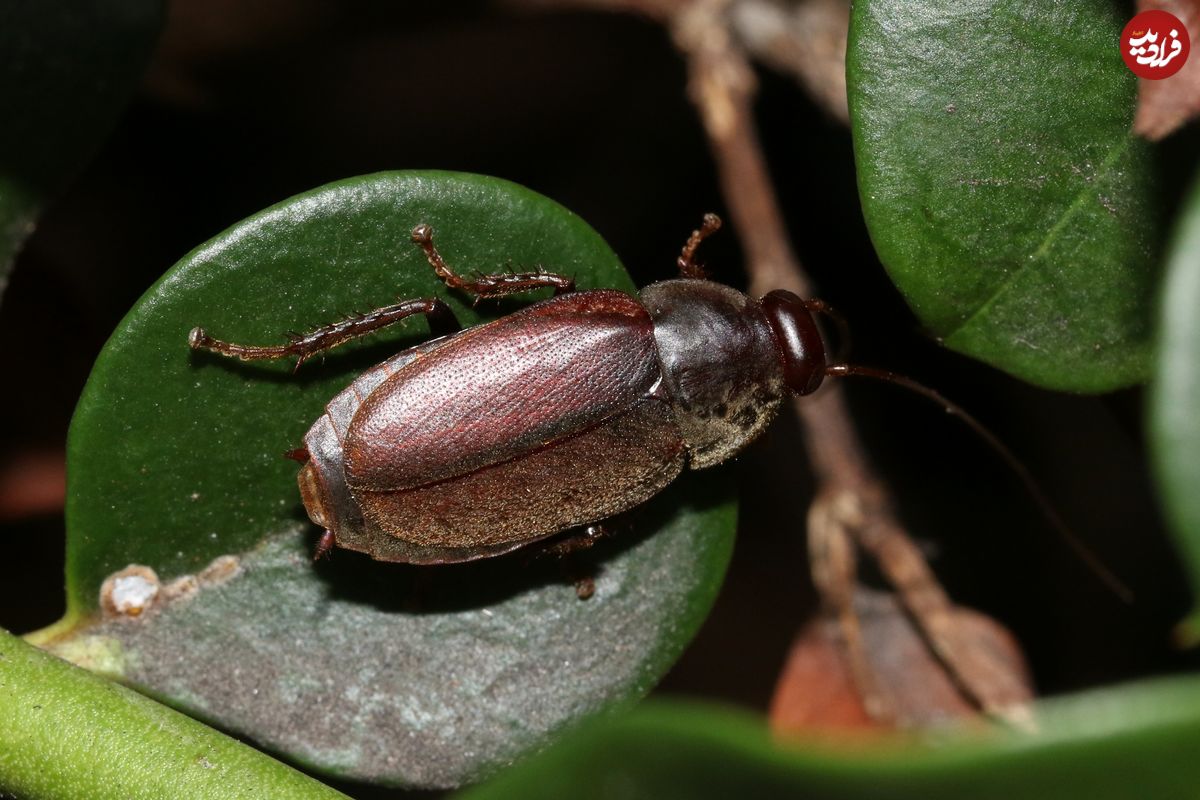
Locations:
{"points": [[658, 10], [805, 39], [851, 496]]}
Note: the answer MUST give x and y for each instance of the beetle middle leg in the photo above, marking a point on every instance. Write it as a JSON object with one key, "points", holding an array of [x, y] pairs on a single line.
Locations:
{"points": [[580, 539], [304, 346], [564, 548], [483, 286]]}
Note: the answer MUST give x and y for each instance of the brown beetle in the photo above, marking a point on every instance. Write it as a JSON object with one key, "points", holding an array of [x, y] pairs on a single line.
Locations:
{"points": [[558, 416]]}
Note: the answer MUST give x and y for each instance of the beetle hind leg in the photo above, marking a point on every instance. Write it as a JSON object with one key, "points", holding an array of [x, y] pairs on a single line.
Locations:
{"points": [[482, 286], [304, 346]]}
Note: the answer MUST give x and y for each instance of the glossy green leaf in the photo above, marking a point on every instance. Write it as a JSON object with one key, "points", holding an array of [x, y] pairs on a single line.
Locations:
{"points": [[66, 70], [68, 735], [1001, 184], [1129, 741], [385, 672], [1175, 394]]}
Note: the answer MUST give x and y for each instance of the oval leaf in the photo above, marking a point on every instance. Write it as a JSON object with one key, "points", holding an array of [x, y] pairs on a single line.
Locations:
{"points": [[1110, 744], [66, 71], [407, 675], [1175, 395], [1001, 184]]}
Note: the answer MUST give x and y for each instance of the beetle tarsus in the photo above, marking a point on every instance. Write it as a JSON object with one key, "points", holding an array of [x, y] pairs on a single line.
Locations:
{"points": [[422, 234], [298, 454]]}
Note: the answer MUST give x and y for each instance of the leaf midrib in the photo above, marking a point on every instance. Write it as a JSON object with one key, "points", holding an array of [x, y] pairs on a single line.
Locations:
{"points": [[1051, 235]]}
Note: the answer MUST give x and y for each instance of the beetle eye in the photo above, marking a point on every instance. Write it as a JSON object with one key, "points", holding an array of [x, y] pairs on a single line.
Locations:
{"points": [[800, 343]]}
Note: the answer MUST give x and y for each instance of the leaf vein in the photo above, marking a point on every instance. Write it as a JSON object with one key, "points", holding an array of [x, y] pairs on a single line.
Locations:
{"points": [[1052, 233]]}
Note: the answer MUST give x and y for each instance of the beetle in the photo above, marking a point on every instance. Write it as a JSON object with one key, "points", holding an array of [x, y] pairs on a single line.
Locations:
{"points": [[555, 417]]}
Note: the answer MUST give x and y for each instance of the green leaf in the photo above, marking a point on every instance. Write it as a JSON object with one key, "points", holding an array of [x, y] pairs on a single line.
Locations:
{"points": [[1174, 407], [390, 673], [1131, 741], [66, 71], [1001, 184], [68, 734]]}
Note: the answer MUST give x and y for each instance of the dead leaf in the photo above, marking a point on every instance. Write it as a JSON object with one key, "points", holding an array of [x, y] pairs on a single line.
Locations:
{"points": [[32, 482], [816, 690]]}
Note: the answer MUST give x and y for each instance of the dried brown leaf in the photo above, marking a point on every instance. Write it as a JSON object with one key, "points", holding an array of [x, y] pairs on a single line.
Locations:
{"points": [[816, 690]]}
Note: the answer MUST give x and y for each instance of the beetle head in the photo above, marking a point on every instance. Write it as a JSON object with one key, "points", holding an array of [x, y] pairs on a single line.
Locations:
{"points": [[799, 338]]}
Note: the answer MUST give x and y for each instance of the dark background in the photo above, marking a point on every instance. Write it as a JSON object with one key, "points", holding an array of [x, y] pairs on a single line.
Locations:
{"points": [[243, 107]]}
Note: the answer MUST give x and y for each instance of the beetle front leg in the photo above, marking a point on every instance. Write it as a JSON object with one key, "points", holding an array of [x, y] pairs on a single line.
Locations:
{"points": [[483, 286], [303, 346], [688, 267]]}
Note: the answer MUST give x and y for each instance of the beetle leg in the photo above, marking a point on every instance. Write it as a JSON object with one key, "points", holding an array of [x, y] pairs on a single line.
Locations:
{"points": [[564, 548], [483, 286], [582, 575], [303, 346], [581, 539], [688, 267], [324, 546], [585, 587]]}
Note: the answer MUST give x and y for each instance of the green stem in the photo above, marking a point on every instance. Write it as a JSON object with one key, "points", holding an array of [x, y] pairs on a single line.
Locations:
{"points": [[65, 733]]}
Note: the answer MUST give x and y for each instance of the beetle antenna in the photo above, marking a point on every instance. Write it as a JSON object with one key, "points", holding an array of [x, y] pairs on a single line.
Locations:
{"points": [[843, 327], [1085, 553]]}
